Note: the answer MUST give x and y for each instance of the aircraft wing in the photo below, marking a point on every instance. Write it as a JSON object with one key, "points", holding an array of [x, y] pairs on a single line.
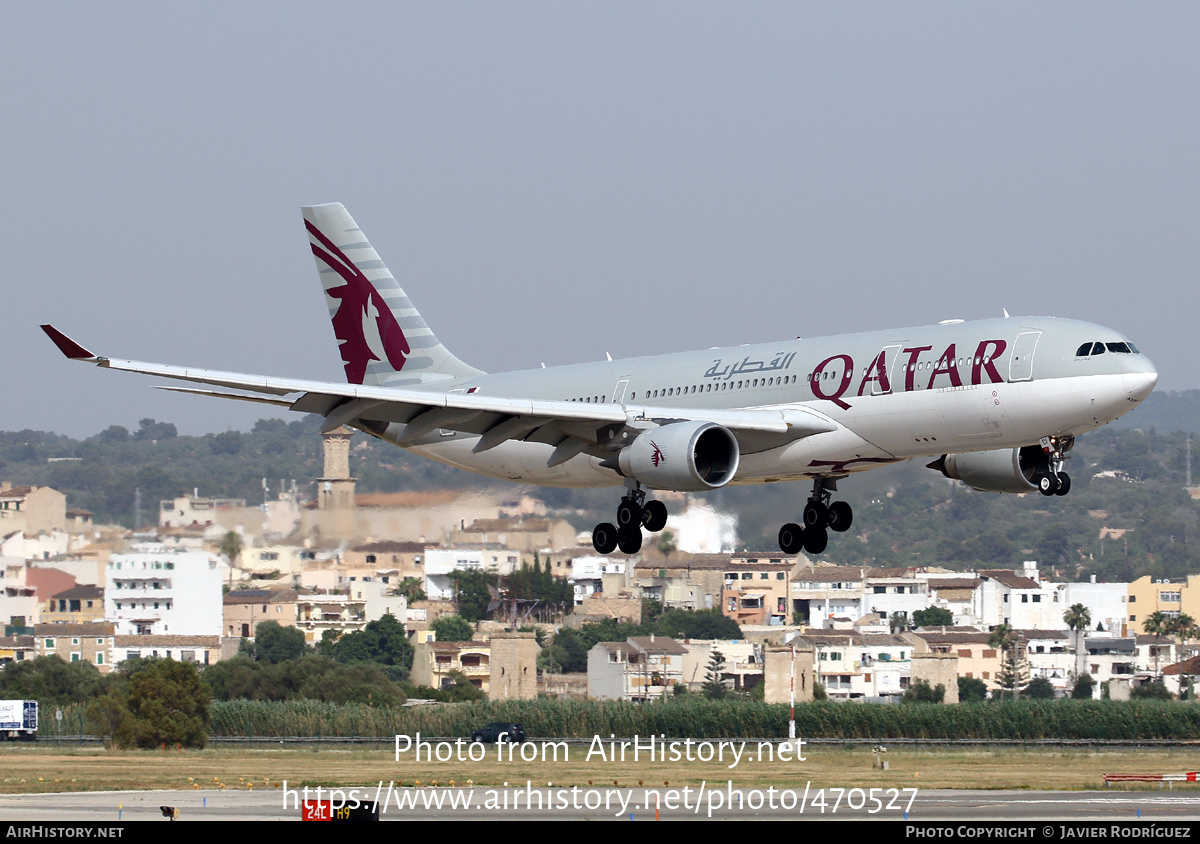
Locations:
{"points": [[570, 426]]}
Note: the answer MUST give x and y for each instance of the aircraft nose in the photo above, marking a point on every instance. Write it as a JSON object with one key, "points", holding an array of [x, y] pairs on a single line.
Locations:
{"points": [[1139, 377]]}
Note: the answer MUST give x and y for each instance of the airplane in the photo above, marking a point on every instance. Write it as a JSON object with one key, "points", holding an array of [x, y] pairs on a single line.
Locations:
{"points": [[996, 403]]}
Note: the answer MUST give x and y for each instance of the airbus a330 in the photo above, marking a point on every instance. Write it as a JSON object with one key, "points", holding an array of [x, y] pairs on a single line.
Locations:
{"points": [[997, 403]]}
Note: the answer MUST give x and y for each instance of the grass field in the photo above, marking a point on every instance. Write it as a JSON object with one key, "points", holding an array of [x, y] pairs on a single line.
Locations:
{"points": [[56, 769]]}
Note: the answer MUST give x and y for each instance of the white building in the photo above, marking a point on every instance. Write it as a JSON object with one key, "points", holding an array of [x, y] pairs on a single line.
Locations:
{"points": [[164, 592], [440, 562], [588, 575]]}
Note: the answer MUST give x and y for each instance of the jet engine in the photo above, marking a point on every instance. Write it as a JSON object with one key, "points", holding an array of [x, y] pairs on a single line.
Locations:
{"points": [[682, 456], [1001, 470]]}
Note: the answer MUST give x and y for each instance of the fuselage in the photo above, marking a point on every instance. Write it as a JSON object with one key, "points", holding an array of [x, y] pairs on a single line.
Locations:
{"points": [[896, 394]]}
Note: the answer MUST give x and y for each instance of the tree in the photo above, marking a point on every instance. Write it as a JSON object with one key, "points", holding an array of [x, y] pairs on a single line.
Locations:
{"points": [[412, 588], [473, 590], [1151, 691], [1156, 624], [971, 690], [1183, 626], [919, 691], [169, 703], [898, 622], [1013, 672], [714, 686], [933, 617], [1039, 688], [1084, 684], [667, 543], [109, 718], [452, 628], [275, 643], [231, 546], [1078, 618]]}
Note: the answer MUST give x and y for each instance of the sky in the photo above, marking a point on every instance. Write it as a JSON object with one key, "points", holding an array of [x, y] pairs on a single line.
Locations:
{"points": [[553, 181]]}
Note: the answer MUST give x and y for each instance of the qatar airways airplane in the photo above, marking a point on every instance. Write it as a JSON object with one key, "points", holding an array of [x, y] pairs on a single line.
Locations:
{"points": [[997, 403]]}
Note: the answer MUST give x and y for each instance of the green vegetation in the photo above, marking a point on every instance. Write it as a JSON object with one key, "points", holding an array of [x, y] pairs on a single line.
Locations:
{"points": [[694, 715], [919, 691], [971, 690], [452, 628], [933, 617], [570, 647]]}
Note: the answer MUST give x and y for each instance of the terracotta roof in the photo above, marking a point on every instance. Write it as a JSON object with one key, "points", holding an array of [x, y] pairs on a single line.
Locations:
{"points": [[660, 644], [84, 590], [390, 547], [1010, 579], [96, 628], [942, 583], [260, 596], [167, 641], [508, 525]]}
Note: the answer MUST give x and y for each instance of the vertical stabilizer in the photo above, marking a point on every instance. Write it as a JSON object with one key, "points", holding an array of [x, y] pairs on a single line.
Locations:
{"points": [[383, 338]]}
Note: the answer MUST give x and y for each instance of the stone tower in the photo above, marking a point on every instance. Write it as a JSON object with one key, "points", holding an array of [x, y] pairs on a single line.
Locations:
{"points": [[335, 491]]}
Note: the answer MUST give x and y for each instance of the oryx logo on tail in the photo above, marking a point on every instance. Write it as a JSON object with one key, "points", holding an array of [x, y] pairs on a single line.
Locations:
{"points": [[362, 316]]}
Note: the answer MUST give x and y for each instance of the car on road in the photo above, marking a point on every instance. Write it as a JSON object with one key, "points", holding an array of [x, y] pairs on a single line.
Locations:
{"points": [[499, 732]]}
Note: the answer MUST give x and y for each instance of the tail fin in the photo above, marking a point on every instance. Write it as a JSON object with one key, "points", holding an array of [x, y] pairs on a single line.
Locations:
{"points": [[383, 338]]}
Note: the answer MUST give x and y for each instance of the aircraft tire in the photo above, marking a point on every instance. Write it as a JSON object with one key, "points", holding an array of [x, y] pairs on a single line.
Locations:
{"points": [[1064, 484], [1046, 483], [604, 538], [630, 542], [841, 516], [815, 515], [654, 516], [629, 515], [815, 540], [791, 538]]}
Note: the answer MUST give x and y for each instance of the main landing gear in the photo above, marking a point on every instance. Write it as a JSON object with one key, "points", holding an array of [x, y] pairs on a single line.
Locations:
{"points": [[1051, 479], [633, 513], [819, 517]]}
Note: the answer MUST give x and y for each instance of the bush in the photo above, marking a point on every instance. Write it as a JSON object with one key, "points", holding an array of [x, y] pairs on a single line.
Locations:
{"points": [[168, 704], [1039, 689], [1083, 687], [971, 690]]}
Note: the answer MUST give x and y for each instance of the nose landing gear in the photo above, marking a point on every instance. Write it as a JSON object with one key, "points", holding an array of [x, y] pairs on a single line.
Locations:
{"points": [[819, 517], [1052, 480], [633, 513]]}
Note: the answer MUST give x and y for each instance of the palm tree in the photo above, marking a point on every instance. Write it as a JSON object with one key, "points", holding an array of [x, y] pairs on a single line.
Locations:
{"points": [[1156, 624], [1078, 618], [1183, 626], [1011, 675]]}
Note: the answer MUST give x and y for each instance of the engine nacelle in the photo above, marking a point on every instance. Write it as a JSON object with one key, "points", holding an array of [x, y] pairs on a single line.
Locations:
{"points": [[1001, 470], [682, 456]]}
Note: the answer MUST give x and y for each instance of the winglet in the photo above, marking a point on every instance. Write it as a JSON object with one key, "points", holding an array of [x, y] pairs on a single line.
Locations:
{"points": [[66, 345]]}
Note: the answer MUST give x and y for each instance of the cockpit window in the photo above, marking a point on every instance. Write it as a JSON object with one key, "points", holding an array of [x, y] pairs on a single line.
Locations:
{"points": [[1084, 350], [1097, 348], [1119, 347]]}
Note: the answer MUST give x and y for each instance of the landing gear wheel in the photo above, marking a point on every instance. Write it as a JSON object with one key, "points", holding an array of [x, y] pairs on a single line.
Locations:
{"points": [[629, 515], [841, 516], [630, 542], [604, 538], [654, 516], [791, 538], [1046, 483], [1064, 484], [815, 540], [815, 515]]}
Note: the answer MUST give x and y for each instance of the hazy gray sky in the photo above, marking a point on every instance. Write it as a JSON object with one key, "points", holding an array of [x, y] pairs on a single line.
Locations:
{"points": [[553, 181]]}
